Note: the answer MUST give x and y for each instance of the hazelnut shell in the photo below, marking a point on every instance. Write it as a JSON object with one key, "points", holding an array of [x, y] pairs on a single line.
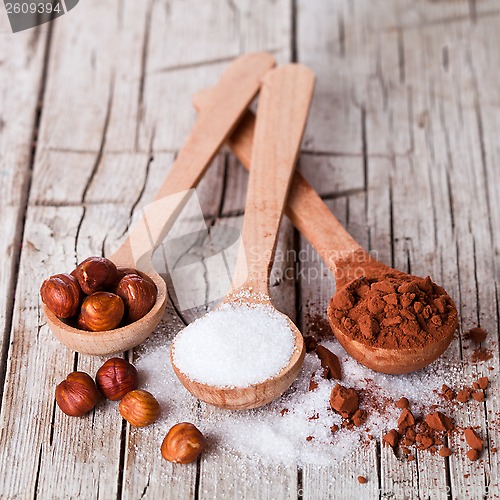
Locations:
{"points": [[116, 377], [139, 408], [101, 311], [96, 274], [183, 444], [62, 294], [123, 271], [138, 294], [77, 394]]}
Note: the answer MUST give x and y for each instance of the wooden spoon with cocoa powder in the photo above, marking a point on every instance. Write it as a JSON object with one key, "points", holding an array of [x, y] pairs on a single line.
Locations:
{"points": [[387, 320], [234, 92]]}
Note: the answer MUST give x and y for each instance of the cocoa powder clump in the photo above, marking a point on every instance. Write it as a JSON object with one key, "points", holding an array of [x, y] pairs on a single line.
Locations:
{"points": [[329, 362], [473, 440], [439, 422], [392, 310], [391, 438], [344, 401], [476, 334]]}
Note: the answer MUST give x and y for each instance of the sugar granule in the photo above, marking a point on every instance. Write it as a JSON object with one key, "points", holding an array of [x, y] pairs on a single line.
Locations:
{"points": [[235, 346]]}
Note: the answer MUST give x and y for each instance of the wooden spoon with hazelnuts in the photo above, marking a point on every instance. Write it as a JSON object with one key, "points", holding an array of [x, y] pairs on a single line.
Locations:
{"points": [[95, 324]]}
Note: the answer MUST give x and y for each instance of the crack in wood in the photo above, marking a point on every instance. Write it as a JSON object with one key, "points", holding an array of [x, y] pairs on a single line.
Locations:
{"points": [[100, 153], [142, 78]]}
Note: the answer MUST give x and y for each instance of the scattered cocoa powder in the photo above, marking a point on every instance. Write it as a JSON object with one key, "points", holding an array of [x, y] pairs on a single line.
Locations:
{"points": [[283, 411], [334, 428], [476, 334], [309, 438], [392, 310], [310, 343], [329, 362], [480, 355], [362, 480], [318, 326]]}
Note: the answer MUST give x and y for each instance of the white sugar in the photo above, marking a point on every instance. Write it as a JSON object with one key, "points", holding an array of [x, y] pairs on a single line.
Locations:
{"points": [[270, 435], [235, 346]]}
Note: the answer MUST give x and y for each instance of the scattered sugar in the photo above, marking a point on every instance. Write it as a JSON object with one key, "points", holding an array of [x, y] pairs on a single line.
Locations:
{"points": [[271, 435], [235, 346]]}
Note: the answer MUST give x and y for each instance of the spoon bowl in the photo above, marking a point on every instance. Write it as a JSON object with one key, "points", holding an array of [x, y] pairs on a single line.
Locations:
{"points": [[382, 359], [254, 395], [236, 89], [111, 341]]}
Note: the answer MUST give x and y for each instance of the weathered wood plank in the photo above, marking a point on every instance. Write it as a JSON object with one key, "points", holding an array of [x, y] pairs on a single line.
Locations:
{"points": [[22, 55], [405, 115]]}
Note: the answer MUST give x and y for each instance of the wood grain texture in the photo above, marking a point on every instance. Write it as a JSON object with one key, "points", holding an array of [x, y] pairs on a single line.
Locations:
{"points": [[401, 142], [24, 57]]}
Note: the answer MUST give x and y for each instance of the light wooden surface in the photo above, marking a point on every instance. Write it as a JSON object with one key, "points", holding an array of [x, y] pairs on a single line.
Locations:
{"points": [[401, 143]]}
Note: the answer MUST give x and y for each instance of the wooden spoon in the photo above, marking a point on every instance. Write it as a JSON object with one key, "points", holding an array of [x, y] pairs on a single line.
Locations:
{"points": [[342, 254], [284, 104], [233, 94]]}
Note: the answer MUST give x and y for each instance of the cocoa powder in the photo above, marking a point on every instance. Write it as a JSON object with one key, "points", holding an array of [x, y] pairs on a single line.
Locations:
{"points": [[329, 362], [392, 310]]}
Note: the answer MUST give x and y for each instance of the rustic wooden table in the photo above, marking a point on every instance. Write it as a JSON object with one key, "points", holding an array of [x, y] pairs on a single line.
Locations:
{"points": [[401, 144]]}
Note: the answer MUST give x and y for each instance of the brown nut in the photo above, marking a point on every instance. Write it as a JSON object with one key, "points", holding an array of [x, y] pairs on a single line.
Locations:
{"points": [[183, 444], [139, 408], [138, 295], [62, 295], [123, 271], [116, 378], [96, 274], [101, 311], [77, 394]]}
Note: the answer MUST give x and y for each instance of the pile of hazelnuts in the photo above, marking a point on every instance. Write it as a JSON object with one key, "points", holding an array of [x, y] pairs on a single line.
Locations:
{"points": [[97, 296], [117, 380]]}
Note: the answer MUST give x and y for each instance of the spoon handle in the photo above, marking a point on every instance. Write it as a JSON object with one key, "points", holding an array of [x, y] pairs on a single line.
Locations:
{"points": [[230, 98], [284, 102], [305, 208]]}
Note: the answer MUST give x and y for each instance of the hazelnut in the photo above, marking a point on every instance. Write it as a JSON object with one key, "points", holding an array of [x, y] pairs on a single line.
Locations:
{"points": [[96, 274], [62, 295], [116, 378], [183, 444], [101, 311], [77, 394], [139, 408], [123, 271], [138, 295]]}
